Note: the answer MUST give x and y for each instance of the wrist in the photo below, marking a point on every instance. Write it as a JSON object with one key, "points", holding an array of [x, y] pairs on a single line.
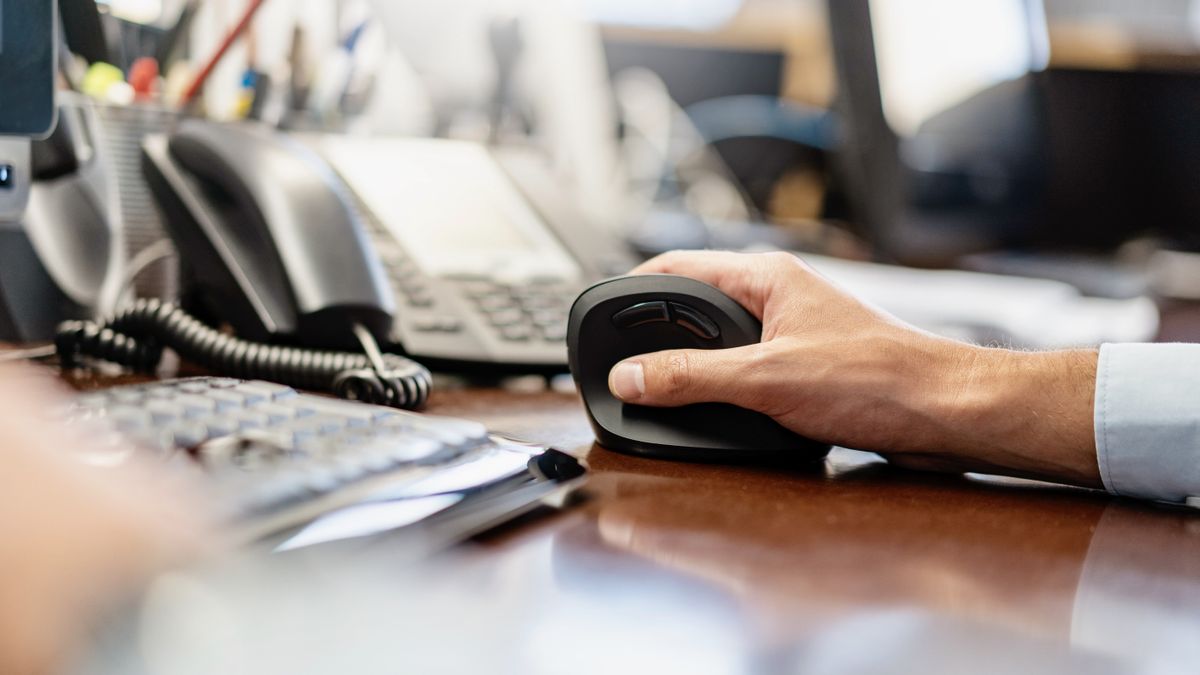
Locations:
{"points": [[1023, 413]]}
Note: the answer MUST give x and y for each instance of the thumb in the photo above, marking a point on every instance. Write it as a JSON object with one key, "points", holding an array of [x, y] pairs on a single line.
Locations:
{"points": [[682, 376]]}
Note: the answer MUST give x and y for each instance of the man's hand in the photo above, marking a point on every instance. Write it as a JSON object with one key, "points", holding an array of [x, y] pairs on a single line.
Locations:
{"points": [[832, 368], [77, 538]]}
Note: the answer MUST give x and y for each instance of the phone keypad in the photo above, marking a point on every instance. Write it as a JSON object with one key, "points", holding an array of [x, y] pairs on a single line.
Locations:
{"points": [[525, 313], [532, 311], [408, 283], [437, 324]]}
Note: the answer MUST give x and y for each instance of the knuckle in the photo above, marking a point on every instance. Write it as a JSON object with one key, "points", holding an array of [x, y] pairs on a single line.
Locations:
{"points": [[781, 264], [783, 260], [663, 262], [780, 258], [679, 375], [672, 256], [802, 265]]}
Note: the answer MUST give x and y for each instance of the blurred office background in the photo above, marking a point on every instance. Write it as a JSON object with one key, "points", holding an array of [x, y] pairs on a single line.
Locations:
{"points": [[1051, 139]]}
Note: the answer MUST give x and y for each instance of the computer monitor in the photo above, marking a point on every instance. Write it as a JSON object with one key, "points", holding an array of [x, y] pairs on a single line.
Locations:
{"points": [[935, 54], [939, 120], [27, 65], [957, 136], [27, 108]]}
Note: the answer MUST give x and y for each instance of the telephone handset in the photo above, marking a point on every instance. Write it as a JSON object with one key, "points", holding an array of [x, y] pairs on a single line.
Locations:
{"points": [[269, 245], [267, 241]]}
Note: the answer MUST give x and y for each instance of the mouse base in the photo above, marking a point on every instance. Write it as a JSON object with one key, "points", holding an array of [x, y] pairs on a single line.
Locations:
{"points": [[809, 452]]}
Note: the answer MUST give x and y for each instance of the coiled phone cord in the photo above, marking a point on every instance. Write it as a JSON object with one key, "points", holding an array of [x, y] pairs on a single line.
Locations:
{"points": [[136, 336]]}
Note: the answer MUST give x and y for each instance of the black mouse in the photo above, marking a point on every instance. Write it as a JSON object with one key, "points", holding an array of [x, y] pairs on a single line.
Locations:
{"points": [[628, 316]]}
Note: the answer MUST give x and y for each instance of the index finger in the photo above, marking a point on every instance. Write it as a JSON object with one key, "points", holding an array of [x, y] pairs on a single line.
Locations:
{"points": [[745, 277]]}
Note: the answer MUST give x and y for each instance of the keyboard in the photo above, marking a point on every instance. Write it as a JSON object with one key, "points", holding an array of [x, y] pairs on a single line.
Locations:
{"points": [[277, 458]]}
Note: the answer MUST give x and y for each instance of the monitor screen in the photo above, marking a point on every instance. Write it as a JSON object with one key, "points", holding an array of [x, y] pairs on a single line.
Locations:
{"points": [[27, 67], [934, 54]]}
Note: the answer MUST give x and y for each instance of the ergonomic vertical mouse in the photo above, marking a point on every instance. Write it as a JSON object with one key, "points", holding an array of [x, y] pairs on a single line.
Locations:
{"points": [[628, 316]]}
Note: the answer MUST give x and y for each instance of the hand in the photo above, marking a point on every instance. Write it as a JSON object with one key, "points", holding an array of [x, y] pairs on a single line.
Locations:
{"points": [[835, 369], [76, 538]]}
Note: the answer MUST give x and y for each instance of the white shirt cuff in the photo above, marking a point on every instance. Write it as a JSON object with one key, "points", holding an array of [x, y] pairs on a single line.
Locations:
{"points": [[1147, 420]]}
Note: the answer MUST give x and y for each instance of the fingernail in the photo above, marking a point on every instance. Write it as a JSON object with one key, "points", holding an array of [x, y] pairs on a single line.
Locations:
{"points": [[627, 381]]}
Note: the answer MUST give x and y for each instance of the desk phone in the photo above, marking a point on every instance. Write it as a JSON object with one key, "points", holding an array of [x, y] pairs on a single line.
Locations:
{"points": [[481, 277], [351, 264], [430, 244]]}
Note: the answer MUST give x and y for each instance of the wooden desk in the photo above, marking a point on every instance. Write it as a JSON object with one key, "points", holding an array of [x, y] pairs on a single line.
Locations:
{"points": [[781, 557], [701, 568]]}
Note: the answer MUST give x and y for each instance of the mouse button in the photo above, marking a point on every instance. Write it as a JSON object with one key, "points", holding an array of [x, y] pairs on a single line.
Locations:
{"points": [[696, 321], [641, 314]]}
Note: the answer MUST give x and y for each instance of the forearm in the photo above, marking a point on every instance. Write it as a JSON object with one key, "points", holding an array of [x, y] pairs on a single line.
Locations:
{"points": [[1026, 414]]}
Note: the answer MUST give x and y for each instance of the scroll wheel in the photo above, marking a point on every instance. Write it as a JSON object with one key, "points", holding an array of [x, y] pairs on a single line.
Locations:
{"points": [[641, 313], [695, 321]]}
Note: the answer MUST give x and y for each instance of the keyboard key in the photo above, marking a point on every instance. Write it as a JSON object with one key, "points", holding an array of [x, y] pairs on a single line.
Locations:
{"points": [[155, 439], [198, 386], [253, 420], [479, 287], [543, 318], [354, 414], [517, 333], [469, 277], [555, 333], [163, 411], [195, 406], [437, 324], [276, 414], [450, 324], [426, 325], [269, 390], [128, 397], [128, 419], [221, 426], [493, 300], [546, 303], [189, 435], [421, 299], [317, 425], [158, 393], [227, 399], [507, 317]]}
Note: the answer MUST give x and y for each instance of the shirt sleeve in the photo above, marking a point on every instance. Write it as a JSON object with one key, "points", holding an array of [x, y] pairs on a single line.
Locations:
{"points": [[1148, 420]]}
